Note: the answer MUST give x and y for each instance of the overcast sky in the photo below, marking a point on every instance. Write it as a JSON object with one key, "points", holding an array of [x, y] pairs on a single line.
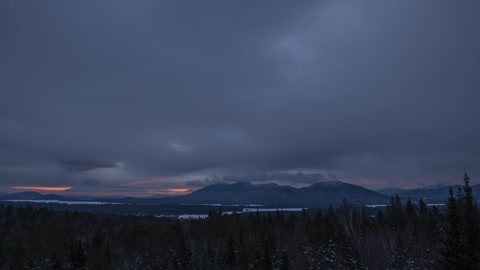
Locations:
{"points": [[139, 97]]}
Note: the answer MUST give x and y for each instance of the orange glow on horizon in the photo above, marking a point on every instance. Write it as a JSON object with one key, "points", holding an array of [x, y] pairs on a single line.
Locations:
{"points": [[169, 191], [149, 181], [177, 189], [40, 188]]}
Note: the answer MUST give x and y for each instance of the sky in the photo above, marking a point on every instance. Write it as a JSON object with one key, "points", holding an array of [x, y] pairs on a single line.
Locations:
{"points": [[164, 97]]}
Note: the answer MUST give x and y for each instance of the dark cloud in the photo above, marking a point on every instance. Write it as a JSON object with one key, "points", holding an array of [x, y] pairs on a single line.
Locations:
{"points": [[121, 91], [292, 178], [204, 182], [91, 182], [78, 165], [279, 177]]}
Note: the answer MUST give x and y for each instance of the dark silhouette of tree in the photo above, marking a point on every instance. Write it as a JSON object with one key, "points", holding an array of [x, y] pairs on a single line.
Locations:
{"points": [[267, 260], [345, 237], [471, 228], [395, 213], [452, 242], [230, 258], [284, 264], [380, 217], [422, 208], [107, 260], [54, 262], [410, 209], [77, 254]]}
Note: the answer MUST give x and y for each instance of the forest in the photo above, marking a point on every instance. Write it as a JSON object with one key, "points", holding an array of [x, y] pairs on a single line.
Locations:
{"points": [[404, 235]]}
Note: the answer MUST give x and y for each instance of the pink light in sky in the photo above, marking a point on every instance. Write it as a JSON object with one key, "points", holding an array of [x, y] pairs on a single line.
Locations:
{"points": [[169, 191], [41, 188]]}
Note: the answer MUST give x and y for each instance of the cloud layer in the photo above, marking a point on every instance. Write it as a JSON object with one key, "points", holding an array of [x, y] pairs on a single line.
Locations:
{"points": [[105, 94]]}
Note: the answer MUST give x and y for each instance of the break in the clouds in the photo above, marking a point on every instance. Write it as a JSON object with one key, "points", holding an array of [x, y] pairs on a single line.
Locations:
{"points": [[106, 94]]}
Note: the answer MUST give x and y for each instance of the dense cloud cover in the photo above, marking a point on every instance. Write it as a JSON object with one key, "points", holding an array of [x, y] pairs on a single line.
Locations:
{"points": [[135, 96]]}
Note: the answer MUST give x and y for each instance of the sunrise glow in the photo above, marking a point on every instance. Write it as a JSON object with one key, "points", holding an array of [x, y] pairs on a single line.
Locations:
{"points": [[169, 191], [40, 188]]}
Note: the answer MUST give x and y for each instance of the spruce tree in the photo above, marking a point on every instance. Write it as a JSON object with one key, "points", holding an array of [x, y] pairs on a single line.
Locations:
{"points": [[452, 243], [284, 264], [409, 209], [470, 227], [423, 209], [230, 259]]}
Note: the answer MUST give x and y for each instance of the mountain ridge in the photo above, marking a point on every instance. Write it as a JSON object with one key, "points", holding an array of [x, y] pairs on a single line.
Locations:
{"points": [[317, 194]]}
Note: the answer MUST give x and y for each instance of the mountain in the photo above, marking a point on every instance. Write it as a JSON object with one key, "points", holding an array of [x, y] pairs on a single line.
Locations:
{"points": [[238, 193], [335, 191], [432, 193], [391, 191], [434, 186], [31, 195], [154, 196], [244, 193]]}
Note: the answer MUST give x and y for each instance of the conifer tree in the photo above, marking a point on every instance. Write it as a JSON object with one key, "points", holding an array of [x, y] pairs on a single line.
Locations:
{"points": [[409, 209], [452, 243], [380, 217], [284, 265], [54, 262], [230, 259], [422, 208], [107, 260], [267, 259], [470, 227]]}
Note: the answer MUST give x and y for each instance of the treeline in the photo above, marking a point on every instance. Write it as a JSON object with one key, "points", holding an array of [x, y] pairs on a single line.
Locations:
{"points": [[403, 236]]}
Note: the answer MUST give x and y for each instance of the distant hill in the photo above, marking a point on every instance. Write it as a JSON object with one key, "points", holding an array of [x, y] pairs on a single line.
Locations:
{"points": [[237, 193], [315, 195], [391, 191], [431, 193], [31, 195], [245, 193], [335, 191]]}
